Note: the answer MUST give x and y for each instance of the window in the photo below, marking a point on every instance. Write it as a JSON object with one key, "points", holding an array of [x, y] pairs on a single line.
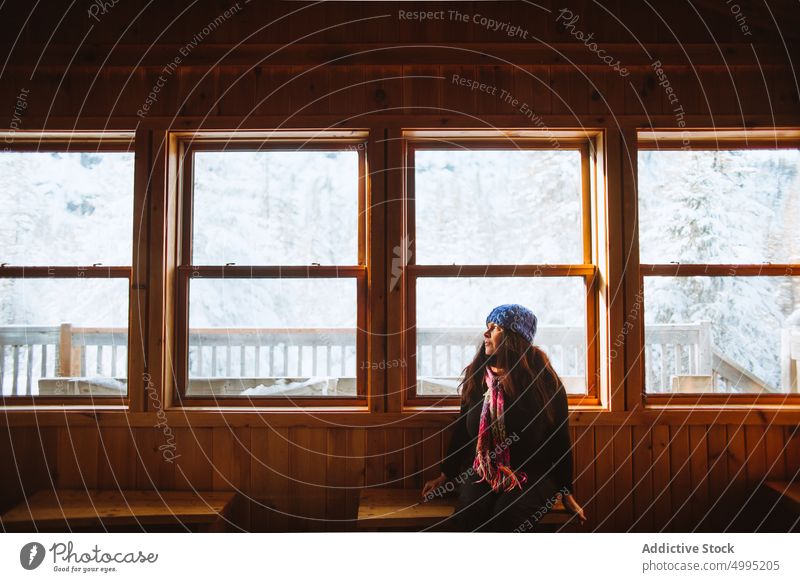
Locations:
{"points": [[272, 276], [719, 217], [66, 232], [492, 221]]}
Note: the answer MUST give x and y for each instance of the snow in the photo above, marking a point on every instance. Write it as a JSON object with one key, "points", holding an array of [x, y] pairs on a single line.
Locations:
{"points": [[723, 207], [314, 385]]}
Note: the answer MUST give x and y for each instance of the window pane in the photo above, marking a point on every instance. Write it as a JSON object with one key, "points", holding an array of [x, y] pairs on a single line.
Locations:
{"points": [[498, 207], [721, 334], [64, 337], [66, 208], [451, 318], [275, 208], [738, 206], [272, 337]]}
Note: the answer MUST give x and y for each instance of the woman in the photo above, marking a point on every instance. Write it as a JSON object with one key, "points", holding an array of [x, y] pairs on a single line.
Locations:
{"points": [[512, 431]]}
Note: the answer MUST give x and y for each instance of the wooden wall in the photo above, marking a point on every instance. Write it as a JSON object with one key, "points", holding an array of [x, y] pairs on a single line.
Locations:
{"points": [[629, 478], [635, 470]]}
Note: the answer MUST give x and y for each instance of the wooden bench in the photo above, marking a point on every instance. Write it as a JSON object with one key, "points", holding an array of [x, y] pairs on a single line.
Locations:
{"points": [[404, 509], [68, 509]]}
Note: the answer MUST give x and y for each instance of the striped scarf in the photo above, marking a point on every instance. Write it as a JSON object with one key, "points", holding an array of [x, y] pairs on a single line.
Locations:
{"points": [[492, 456]]}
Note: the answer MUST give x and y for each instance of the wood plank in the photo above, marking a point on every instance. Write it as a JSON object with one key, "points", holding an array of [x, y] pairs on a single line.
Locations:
{"points": [[722, 96], [292, 416], [309, 91], [231, 464], [756, 456], [753, 93], [413, 468], [155, 466], [662, 496], [642, 93], [454, 97], [422, 85], [681, 485], [394, 458], [792, 453], [237, 91], [542, 103], [782, 90], [603, 495], [642, 480], [775, 447], [396, 507], [269, 479], [273, 90], [356, 463], [583, 451], [384, 88], [598, 91], [378, 25], [336, 481], [348, 94], [374, 463], [31, 463], [307, 473], [623, 479], [735, 496], [10, 487], [698, 466], [77, 457], [412, 31], [563, 53], [431, 453], [194, 466], [81, 508], [716, 442], [116, 465], [496, 78], [197, 91]]}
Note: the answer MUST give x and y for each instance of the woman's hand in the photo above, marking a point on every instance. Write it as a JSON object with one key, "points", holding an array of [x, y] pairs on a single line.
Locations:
{"points": [[434, 484], [574, 508]]}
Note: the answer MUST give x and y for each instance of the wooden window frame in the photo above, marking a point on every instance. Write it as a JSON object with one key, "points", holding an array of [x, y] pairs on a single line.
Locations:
{"points": [[84, 142], [701, 139], [185, 271], [587, 144]]}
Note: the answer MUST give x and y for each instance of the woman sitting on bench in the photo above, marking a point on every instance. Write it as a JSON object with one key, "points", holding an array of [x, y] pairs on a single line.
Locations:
{"points": [[513, 427]]}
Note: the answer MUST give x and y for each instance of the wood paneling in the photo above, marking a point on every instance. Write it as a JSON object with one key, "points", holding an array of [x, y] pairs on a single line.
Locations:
{"points": [[630, 479], [641, 470]]}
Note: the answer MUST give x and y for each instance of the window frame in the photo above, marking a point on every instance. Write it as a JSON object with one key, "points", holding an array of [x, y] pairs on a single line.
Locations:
{"points": [[719, 139], [185, 271], [586, 143], [82, 142]]}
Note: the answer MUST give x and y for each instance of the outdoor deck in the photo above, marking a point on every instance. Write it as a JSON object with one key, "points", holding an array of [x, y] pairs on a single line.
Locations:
{"points": [[65, 359]]}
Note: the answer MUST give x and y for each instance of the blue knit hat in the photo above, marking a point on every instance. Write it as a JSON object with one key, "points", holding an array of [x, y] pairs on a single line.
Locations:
{"points": [[515, 317]]}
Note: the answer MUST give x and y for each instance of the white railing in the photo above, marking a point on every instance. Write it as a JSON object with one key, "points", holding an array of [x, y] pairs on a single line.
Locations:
{"points": [[29, 353], [679, 358], [445, 351], [790, 358], [682, 358], [269, 352]]}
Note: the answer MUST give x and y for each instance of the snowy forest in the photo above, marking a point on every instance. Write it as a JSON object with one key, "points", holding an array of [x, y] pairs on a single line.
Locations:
{"points": [[724, 207], [472, 207]]}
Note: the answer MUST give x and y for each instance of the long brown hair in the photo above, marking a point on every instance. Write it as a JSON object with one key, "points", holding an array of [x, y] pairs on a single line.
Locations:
{"points": [[527, 368]]}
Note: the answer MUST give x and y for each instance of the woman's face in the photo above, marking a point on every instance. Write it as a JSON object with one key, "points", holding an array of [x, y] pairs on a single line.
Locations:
{"points": [[492, 338]]}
